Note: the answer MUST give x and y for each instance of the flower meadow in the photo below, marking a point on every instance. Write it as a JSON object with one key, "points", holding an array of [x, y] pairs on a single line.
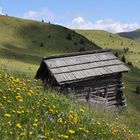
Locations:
{"points": [[27, 112]]}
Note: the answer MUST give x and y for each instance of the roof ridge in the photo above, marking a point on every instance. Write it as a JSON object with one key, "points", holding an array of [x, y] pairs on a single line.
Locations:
{"points": [[76, 54]]}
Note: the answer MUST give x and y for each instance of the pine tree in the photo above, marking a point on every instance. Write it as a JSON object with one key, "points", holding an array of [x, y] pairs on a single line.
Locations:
{"points": [[123, 59]]}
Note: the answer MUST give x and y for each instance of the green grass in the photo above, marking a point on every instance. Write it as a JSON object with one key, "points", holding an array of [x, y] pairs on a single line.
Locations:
{"points": [[27, 112]]}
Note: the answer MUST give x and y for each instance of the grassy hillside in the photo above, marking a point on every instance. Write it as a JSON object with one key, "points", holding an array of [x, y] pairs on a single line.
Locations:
{"points": [[115, 42], [27, 112], [25, 42], [135, 35]]}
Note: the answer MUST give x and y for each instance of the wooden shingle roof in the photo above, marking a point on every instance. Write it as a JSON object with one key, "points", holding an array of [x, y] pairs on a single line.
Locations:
{"points": [[80, 66]]}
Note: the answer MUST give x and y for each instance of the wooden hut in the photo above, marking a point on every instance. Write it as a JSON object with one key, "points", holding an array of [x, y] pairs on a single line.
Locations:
{"points": [[91, 76]]}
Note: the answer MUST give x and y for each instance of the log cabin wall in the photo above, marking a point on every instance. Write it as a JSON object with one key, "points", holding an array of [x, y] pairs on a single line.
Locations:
{"points": [[109, 88]]}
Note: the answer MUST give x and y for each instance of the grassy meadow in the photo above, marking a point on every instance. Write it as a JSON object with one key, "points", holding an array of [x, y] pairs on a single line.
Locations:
{"points": [[29, 112]]}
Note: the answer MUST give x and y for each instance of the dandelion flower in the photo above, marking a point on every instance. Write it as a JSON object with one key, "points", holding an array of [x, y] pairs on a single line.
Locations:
{"points": [[7, 115], [18, 112], [60, 120], [28, 81], [36, 120], [20, 100], [17, 89], [71, 131], [65, 136], [35, 125], [82, 110], [18, 125], [9, 123]]}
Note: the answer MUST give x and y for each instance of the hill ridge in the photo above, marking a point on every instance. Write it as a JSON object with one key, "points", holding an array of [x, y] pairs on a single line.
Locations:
{"points": [[135, 35]]}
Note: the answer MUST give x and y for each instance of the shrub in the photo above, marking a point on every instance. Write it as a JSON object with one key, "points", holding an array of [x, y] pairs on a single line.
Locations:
{"points": [[138, 89], [49, 36], [130, 64], [126, 50], [116, 54], [41, 44], [75, 43], [82, 41], [123, 59], [69, 37], [82, 49]]}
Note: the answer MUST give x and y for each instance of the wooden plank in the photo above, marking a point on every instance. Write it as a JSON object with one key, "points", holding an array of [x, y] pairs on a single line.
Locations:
{"points": [[64, 77], [50, 63], [113, 103], [77, 75], [112, 98], [98, 98], [81, 95], [68, 77], [111, 94], [72, 76], [59, 78]]}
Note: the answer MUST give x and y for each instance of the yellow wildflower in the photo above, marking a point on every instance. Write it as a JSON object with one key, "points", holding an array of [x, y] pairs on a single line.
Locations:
{"points": [[7, 115], [139, 136], [18, 97], [13, 111], [17, 89], [20, 100], [65, 136], [71, 131], [81, 129], [4, 97], [30, 92], [23, 134], [18, 112], [24, 84], [8, 101], [28, 81], [17, 81], [18, 125], [60, 120], [22, 111], [30, 132], [36, 120], [82, 110], [35, 125], [9, 123]]}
